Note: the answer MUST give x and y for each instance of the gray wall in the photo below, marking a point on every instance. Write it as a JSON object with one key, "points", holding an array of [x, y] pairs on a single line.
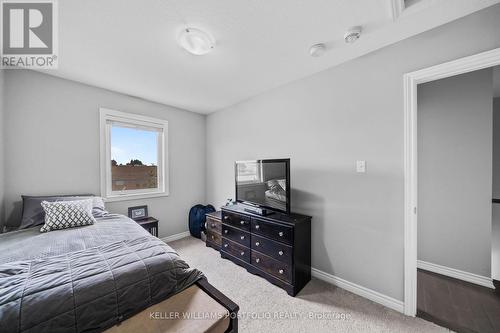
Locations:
{"points": [[2, 142], [326, 122], [52, 132], [495, 235], [455, 172]]}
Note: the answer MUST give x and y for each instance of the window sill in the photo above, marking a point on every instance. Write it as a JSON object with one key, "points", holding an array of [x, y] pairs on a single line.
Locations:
{"points": [[128, 197]]}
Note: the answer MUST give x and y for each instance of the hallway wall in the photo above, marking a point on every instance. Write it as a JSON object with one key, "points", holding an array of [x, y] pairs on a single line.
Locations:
{"points": [[455, 172]]}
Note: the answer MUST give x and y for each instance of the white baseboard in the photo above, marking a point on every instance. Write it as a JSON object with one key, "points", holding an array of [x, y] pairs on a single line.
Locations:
{"points": [[176, 237], [457, 274], [372, 295]]}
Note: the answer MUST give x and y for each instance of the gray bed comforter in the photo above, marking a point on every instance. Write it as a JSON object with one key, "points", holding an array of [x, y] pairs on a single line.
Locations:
{"points": [[85, 279]]}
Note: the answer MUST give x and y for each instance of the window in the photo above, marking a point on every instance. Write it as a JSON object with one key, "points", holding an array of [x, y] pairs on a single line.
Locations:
{"points": [[133, 156], [249, 172]]}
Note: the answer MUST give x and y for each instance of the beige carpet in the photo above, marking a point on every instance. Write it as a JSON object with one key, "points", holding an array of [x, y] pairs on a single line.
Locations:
{"points": [[267, 308]]}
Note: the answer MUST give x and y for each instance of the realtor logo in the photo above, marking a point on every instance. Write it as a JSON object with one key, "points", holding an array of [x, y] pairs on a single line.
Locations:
{"points": [[29, 34]]}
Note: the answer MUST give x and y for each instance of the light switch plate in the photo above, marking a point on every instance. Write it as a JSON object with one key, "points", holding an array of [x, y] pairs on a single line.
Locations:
{"points": [[361, 166]]}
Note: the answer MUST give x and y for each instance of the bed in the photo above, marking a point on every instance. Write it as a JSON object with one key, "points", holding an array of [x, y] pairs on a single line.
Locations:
{"points": [[112, 275], [275, 196]]}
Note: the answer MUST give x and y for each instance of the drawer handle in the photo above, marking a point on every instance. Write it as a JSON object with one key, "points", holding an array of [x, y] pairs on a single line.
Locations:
{"points": [[213, 237], [226, 217], [225, 245], [281, 271], [257, 243], [242, 253], [257, 227], [213, 225], [242, 237], [280, 233], [280, 253], [242, 222], [257, 260], [225, 231]]}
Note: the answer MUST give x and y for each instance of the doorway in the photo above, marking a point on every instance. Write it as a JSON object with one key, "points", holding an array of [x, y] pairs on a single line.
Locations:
{"points": [[411, 80], [455, 177]]}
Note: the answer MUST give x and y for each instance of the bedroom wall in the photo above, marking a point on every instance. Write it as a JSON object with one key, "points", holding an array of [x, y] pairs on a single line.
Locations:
{"points": [[2, 141], [326, 122], [52, 128], [495, 232], [455, 146]]}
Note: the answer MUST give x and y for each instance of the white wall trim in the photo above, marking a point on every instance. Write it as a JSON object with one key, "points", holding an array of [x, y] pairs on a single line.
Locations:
{"points": [[176, 237], [161, 125], [411, 80], [397, 7], [372, 295], [457, 274]]}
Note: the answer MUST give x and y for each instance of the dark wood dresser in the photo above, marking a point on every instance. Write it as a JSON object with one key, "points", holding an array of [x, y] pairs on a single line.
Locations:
{"points": [[214, 229], [276, 247]]}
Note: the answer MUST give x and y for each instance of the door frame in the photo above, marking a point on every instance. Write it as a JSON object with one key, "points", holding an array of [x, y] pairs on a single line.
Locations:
{"points": [[411, 80]]}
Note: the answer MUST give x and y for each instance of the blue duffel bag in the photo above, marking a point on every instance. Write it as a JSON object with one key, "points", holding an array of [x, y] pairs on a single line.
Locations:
{"points": [[197, 219]]}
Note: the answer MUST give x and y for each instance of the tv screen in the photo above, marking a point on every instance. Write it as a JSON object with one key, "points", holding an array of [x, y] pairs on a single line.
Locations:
{"points": [[264, 183]]}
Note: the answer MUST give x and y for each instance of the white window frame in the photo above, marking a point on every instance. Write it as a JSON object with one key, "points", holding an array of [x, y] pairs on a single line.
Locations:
{"points": [[260, 172], [135, 121]]}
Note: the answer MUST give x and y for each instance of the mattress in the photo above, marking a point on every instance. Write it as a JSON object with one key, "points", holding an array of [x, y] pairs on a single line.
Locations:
{"points": [[85, 279], [277, 196], [32, 244]]}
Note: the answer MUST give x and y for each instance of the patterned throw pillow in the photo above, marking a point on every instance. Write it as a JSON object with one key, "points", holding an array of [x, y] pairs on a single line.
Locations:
{"points": [[67, 214]]}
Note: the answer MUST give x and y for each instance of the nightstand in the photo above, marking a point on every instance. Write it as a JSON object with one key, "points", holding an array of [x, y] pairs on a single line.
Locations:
{"points": [[150, 224]]}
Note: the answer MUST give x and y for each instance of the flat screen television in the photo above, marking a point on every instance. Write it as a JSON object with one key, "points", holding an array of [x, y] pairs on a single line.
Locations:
{"points": [[264, 184]]}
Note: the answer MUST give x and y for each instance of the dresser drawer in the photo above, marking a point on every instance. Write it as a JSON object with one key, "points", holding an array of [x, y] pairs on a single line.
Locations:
{"points": [[214, 237], [236, 235], [273, 249], [274, 231], [236, 250], [274, 267], [214, 225], [235, 220]]}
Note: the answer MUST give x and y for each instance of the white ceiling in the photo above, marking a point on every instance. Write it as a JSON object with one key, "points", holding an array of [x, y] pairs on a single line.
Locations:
{"points": [[130, 46]]}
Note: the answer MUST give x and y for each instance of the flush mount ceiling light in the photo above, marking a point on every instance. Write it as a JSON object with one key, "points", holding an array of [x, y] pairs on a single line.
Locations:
{"points": [[317, 50], [196, 41], [352, 34]]}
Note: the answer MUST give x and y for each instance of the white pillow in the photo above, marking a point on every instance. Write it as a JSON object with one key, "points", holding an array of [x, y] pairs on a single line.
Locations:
{"points": [[67, 214], [98, 207], [282, 183]]}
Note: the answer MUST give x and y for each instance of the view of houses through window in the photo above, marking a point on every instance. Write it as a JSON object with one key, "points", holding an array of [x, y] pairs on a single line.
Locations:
{"points": [[134, 158]]}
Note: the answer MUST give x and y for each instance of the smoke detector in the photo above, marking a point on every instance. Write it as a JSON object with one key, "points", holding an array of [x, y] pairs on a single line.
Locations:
{"points": [[317, 50], [352, 34]]}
